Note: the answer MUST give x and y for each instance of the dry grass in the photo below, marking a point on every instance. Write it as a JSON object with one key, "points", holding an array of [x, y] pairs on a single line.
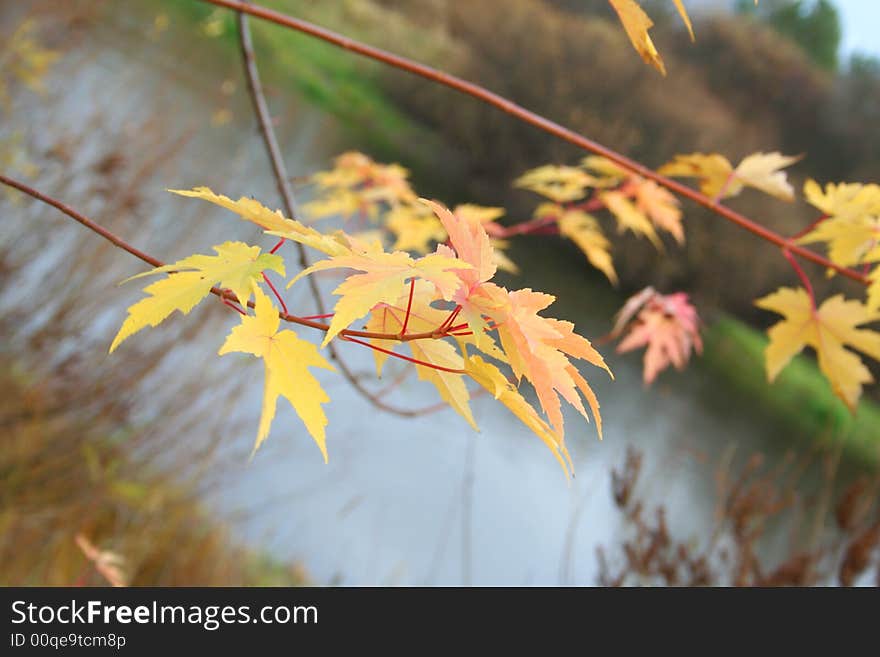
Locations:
{"points": [[832, 531]]}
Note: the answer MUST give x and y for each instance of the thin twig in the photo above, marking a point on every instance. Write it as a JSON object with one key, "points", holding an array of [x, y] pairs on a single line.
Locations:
{"points": [[279, 170], [538, 121]]}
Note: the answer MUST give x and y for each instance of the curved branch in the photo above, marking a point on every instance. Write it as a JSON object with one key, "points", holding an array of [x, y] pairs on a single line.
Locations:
{"points": [[223, 294], [540, 122]]}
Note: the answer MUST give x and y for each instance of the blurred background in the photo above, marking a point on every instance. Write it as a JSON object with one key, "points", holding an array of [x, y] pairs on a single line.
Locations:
{"points": [[134, 468]]}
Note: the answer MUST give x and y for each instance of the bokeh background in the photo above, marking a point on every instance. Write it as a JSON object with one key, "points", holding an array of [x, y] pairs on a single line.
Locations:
{"points": [[135, 467]]}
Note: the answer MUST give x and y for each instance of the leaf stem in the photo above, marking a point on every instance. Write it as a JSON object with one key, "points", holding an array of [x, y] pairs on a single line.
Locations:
{"points": [[444, 327], [416, 361], [803, 276], [412, 287], [806, 230], [275, 292], [235, 307]]}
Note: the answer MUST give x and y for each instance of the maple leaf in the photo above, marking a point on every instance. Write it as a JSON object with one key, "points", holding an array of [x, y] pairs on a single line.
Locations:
{"points": [[714, 171], [630, 217], [415, 228], [475, 295], [637, 23], [851, 241], [762, 171], [493, 380], [610, 174], [582, 229], [661, 207], [558, 183], [342, 202], [481, 214], [236, 266], [286, 358], [851, 229], [486, 217], [350, 169], [273, 221], [843, 200], [651, 200], [538, 349], [390, 318], [358, 184], [719, 180], [828, 330], [382, 280], [667, 325]]}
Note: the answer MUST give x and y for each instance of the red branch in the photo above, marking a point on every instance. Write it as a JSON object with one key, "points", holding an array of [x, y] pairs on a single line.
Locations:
{"points": [[223, 294], [538, 121]]}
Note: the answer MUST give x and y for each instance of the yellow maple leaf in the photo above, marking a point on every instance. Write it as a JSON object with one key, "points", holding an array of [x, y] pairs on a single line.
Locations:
{"points": [[493, 380], [828, 330], [762, 171], [338, 202], [630, 217], [479, 213], [851, 241], [273, 221], [388, 318], [286, 358], [561, 184], [843, 200], [357, 183], [714, 171], [382, 281], [236, 266], [718, 179], [415, 228], [851, 229], [611, 174], [583, 229], [637, 23]]}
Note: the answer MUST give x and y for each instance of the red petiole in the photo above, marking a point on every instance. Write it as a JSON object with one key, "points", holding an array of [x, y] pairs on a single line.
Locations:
{"points": [[416, 361]]}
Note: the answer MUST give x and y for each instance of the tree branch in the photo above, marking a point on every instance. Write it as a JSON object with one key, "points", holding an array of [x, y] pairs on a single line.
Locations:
{"points": [[538, 121], [279, 170], [223, 294]]}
